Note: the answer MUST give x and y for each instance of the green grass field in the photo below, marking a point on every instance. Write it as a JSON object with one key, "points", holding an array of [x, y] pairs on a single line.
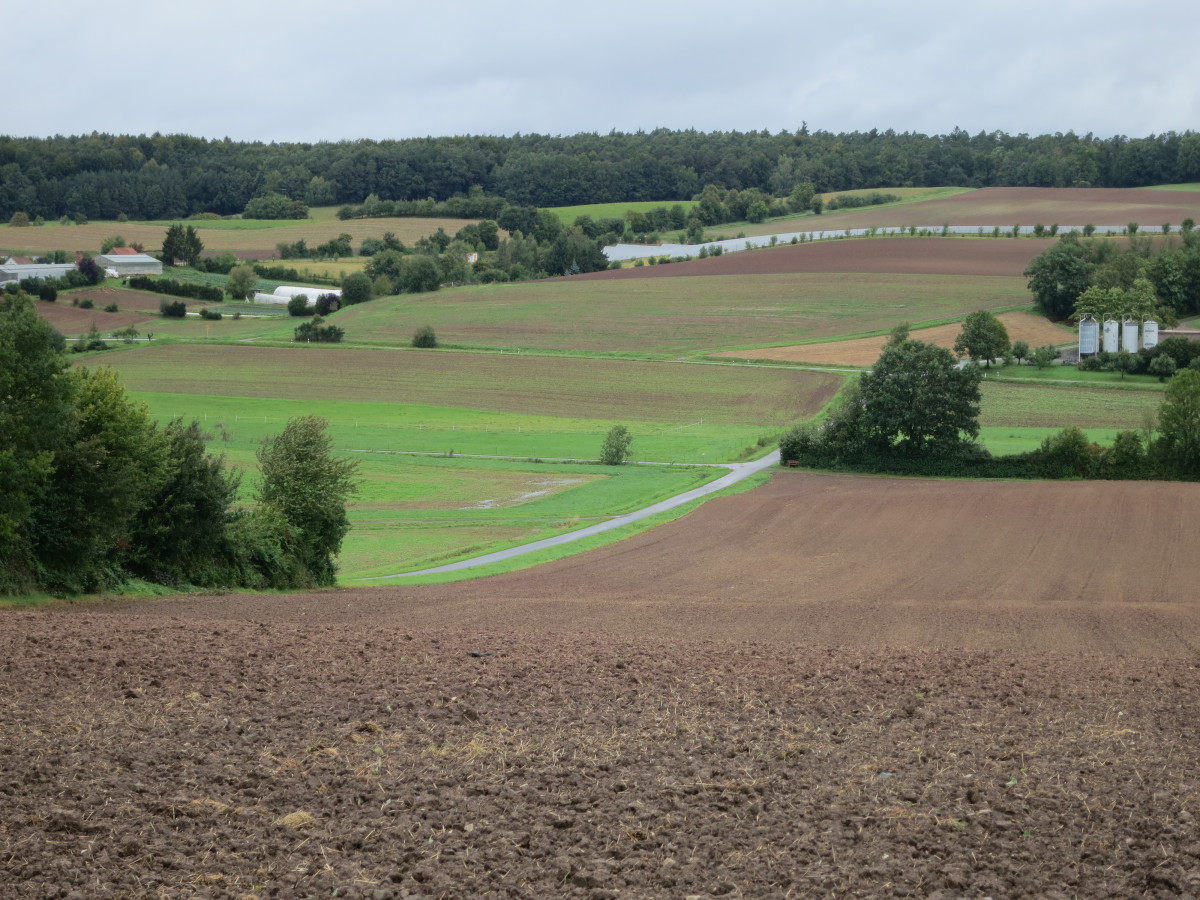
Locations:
{"points": [[568, 214], [392, 427], [414, 511], [677, 316], [564, 388], [1016, 418]]}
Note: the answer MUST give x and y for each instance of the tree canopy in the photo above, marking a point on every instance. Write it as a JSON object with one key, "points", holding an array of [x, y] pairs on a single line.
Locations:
{"points": [[916, 400], [983, 337], [157, 176]]}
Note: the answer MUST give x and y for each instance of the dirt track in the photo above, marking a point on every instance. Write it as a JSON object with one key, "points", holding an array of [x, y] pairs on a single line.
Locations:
{"points": [[832, 685]]}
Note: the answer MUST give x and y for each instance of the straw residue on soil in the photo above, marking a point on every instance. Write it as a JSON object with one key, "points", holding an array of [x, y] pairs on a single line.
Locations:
{"points": [[1034, 330]]}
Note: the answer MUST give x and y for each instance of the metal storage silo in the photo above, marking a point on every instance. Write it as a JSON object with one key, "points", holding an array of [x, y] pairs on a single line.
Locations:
{"points": [[1129, 336], [1112, 335], [1149, 333], [1089, 336]]}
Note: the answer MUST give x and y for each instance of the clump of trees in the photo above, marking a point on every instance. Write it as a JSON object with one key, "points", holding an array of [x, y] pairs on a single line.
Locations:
{"points": [[181, 242], [93, 492], [273, 205], [916, 412], [316, 330], [1148, 278], [177, 288]]}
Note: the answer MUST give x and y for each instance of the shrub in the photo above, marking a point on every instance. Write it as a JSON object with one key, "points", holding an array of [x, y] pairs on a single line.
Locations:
{"points": [[172, 309], [19, 220], [356, 288], [617, 447], [90, 270], [175, 288], [211, 314], [86, 303], [48, 292], [1163, 366], [317, 331], [299, 306], [1067, 454], [424, 337], [112, 307], [327, 303]]}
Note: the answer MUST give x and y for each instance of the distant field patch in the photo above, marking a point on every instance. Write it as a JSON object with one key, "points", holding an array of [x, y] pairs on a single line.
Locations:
{"points": [[1061, 405], [897, 255], [613, 390], [1021, 326], [232, 234], [568, 214], [133, 309], [677, 316]]}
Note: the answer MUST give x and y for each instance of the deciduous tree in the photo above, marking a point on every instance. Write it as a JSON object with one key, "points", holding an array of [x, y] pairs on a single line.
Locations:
{"points": [[617, 447], [309, 486], [983, 336], [915, 401]]}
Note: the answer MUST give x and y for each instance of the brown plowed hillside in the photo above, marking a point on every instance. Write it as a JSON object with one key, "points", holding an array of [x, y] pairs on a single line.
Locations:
{"points": [[1010, 206], [830, 686], [845, 560], [902, 256], [1064, 206]]}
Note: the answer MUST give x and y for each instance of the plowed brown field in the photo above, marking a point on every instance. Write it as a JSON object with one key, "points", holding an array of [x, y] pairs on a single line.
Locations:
{"points": [[832, 686], [864, 351], [1012, 206], [902, 256], [72, 320]]}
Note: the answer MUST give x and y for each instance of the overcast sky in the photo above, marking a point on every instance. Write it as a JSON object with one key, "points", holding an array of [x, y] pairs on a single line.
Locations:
{"points": [[326, 71]]}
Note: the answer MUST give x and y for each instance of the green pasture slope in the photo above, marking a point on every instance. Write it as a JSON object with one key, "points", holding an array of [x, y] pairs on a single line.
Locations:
{"points": [[1016, 418], [386, 406], [568, 214], [672, 317]]}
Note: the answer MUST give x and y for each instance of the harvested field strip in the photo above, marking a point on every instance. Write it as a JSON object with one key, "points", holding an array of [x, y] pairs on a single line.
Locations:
{"points": [[224, 235], [679, 316], [546, 386], [1035, 330], [1057, 406]]}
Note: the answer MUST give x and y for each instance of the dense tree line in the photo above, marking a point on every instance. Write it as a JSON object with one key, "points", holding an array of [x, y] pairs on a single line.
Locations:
{"points": [[93, 492], [1079, 276], [159, 176]]}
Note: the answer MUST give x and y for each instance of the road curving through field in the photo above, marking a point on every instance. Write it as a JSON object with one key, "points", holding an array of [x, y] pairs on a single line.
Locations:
{"points": [[737, 472]]}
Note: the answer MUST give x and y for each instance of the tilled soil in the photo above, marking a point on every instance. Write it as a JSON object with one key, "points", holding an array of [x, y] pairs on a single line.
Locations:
{"points": [[905, 256], [661, 718]]}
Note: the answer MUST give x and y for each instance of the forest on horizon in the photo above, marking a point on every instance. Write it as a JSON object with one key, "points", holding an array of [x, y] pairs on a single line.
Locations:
{"points": [[157, 177]]}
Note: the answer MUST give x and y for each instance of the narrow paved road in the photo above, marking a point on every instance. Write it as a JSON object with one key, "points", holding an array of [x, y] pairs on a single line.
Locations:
{"points": [[737, 472]]}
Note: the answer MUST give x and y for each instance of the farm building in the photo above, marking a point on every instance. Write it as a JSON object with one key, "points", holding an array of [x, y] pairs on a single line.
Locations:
{"points": [[125, 261], [15, 268], [285, 293]]}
